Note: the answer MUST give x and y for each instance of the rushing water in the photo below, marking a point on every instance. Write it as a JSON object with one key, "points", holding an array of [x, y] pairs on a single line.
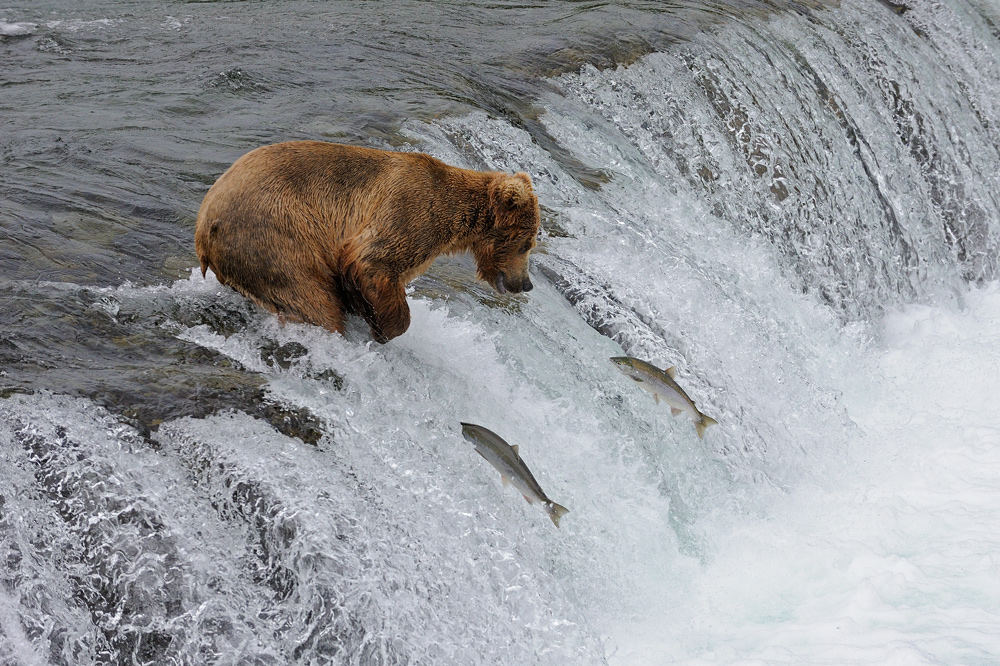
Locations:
{"points": [[795, 205]]}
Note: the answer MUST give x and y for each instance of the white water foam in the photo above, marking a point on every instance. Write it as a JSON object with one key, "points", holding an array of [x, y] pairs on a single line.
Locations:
{"points": [[77, 25], [17, 29], [894, 559]]}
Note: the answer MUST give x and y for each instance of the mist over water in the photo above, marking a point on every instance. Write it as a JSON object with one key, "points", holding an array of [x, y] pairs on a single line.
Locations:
{"points": [[794, 206]]}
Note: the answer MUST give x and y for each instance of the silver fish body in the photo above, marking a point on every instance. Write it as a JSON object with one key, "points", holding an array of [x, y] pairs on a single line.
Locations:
{"points": [[505, 459], [662, 385]]}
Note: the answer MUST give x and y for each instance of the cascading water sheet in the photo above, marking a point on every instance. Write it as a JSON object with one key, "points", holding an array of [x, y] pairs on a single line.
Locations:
{"points": [[759, 205]]}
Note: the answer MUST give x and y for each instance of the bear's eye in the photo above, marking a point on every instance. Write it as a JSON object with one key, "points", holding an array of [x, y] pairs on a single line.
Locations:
{"points": [[525, 247]]}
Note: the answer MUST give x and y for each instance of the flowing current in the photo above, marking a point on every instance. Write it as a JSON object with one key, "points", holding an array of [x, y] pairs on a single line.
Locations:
{"points": [[796, 205]]}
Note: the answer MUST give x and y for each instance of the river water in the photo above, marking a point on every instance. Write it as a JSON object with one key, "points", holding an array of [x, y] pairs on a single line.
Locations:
{"points": [[794, 204]]}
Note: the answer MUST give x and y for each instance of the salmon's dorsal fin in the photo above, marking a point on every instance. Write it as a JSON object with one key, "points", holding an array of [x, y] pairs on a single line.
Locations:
{"points": [[515, 449], [674, 411], [671, 371]]}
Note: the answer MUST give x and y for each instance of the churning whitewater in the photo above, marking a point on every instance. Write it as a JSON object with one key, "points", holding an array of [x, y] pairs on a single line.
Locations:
{"points": [[890, 559], [798, 210]]}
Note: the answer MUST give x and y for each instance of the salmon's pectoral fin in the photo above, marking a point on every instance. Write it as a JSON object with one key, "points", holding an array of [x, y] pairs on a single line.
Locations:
{"points": [[506, 481]]}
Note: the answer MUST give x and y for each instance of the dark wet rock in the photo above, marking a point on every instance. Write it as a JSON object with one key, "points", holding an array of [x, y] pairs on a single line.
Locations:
{"points": [[126, 356], [282, 356]]}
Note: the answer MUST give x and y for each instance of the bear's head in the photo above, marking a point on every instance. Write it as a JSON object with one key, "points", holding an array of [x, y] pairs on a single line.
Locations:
{"points": [[512, 222]]}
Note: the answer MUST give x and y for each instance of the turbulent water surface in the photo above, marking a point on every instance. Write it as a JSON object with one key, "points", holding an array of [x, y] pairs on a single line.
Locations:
{"points": [[796, 204]]}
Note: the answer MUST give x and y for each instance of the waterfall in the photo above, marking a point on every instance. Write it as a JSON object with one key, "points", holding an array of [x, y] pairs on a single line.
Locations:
{"points": [[746, 206]]}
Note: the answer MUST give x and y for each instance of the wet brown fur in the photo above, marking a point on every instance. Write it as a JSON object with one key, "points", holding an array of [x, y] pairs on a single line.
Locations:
{"points": [[311, 230]]}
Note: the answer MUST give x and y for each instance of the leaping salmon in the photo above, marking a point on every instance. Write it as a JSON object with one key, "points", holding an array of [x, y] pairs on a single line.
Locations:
{"points": [[507, 461], [662, 385]]}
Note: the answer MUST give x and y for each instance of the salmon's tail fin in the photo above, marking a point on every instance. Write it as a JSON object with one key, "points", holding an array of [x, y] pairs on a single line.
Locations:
{"points": [[556, 511], [703, 425]]}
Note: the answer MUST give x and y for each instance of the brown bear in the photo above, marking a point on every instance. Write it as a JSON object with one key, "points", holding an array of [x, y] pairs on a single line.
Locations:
{"points": [[311, 230]]}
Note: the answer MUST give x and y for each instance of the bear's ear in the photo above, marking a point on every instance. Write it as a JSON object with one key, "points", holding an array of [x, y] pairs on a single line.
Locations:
{"points": [[514, 191]]}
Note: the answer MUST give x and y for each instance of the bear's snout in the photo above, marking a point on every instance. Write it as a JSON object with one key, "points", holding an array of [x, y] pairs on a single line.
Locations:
{"points": [[504, 284]]}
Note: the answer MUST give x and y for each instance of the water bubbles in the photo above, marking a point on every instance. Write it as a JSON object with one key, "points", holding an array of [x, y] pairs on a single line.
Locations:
{"points": [[110, 305], [238, 80]]}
